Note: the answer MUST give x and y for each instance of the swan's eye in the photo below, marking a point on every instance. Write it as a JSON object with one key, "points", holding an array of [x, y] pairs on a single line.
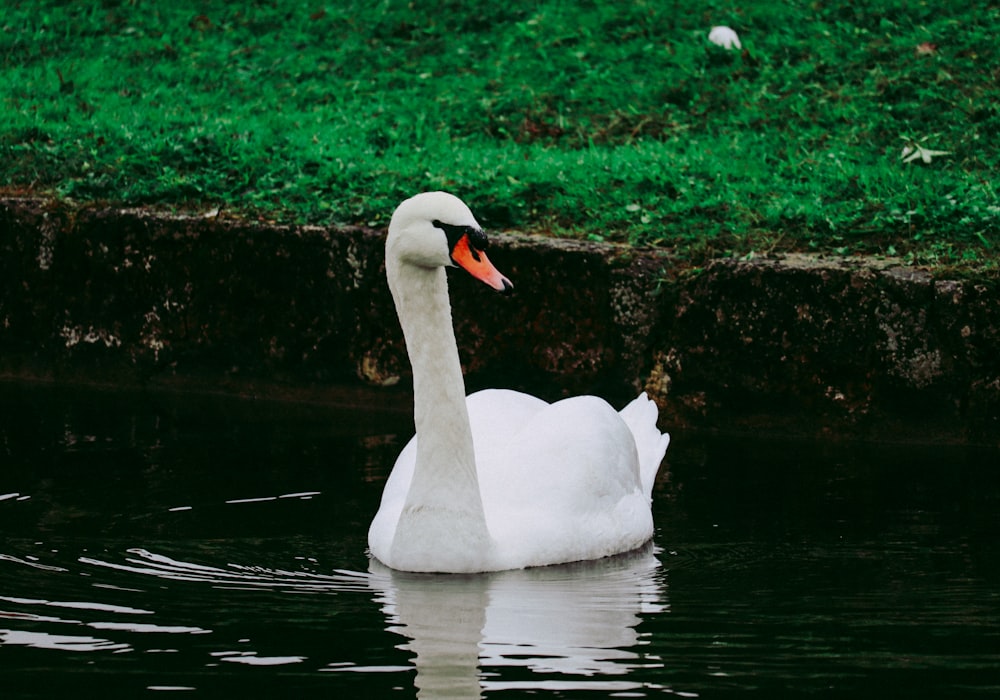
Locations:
{"points": [[477, 237]]}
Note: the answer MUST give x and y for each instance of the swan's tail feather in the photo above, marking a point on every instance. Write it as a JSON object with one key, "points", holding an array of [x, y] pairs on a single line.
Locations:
{"points": [[640, 417]]}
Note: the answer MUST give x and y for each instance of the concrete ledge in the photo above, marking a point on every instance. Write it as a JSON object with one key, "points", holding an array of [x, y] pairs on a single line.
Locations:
{"points": [[791, 345]]}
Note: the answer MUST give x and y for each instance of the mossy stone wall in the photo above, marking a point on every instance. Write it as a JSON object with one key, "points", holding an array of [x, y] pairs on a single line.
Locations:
{"points": [[791, 345]]}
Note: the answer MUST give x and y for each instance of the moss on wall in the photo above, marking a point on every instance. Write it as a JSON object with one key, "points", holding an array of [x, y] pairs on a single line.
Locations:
{"points": [[795, 344]]}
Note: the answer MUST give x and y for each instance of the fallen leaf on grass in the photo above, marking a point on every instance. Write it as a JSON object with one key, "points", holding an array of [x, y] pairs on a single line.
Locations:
{"points": [[912, 153]]}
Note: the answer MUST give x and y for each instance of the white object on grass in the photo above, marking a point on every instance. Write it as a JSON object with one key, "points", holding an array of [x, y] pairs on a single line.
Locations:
{"points": [[724, 37]]}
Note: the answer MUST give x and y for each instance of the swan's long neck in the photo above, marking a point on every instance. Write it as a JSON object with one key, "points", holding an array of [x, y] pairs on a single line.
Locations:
{"points": [[443, 515]]}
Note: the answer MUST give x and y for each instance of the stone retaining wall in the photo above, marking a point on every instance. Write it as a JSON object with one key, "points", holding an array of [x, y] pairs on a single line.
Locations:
{"points": [[792, 345]]}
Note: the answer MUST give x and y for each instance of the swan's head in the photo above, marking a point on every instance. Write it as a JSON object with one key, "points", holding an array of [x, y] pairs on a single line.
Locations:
{"points": [[437, 229]]}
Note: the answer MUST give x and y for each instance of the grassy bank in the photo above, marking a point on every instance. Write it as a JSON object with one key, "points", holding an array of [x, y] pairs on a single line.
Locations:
{"points": [[609, 120]]}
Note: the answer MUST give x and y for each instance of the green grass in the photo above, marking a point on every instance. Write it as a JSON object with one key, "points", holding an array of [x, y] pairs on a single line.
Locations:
{"points": [[608, 120]]}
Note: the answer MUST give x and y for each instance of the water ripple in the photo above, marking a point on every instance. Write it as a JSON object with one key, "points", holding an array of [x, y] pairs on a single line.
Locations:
{"points": [[30, 562], [77, 605], [251, 658], [61, 642], [146, 563]]}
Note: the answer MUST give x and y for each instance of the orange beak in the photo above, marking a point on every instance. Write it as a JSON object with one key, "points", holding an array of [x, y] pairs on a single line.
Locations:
{"points": [[479, 266]]}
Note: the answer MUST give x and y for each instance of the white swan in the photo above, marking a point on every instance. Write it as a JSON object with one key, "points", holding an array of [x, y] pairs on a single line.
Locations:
{"points": [[501, 479]]}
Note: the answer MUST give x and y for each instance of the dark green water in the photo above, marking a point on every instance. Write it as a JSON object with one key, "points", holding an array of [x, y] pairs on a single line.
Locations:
{"points": [[171, 545]]}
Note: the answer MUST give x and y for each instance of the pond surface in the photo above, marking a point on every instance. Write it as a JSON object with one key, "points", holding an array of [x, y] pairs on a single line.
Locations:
{"points": [[200, 546]]}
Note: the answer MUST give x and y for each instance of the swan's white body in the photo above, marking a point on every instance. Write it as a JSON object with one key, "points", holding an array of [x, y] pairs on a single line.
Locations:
{"points": [[501, 479]]}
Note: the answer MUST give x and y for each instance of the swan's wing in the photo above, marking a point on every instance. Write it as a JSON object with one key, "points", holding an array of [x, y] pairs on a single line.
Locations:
{"points": [[497, 416], [640, 417], [531, 453], [566, 487]]}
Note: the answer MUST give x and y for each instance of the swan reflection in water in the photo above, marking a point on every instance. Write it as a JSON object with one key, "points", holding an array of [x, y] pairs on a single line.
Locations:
{"points": [[575, 625]]}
